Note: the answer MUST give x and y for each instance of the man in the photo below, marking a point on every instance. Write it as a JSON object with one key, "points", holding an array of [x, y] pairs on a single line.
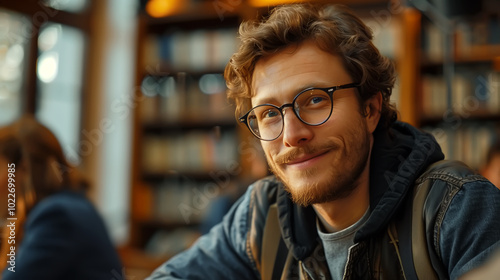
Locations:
{"points": [[309, 83]]}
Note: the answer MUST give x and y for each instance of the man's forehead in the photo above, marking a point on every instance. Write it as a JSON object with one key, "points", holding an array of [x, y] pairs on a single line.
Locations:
{"points": [[304, 66]]}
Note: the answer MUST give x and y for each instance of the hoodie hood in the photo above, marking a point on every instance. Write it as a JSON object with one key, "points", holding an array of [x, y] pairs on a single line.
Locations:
{"points": [[398, 158], [396, 163]]}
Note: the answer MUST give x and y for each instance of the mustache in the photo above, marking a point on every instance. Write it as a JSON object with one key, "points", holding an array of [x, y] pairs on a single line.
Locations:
{"points": [[291, 155]]}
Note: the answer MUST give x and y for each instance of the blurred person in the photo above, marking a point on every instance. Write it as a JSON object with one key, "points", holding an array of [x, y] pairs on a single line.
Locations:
{"points": [[58, 233], [491, 169], [311, 86]]}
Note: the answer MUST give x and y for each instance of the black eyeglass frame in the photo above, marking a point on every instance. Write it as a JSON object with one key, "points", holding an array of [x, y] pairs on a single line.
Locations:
{"points": [[328, 90]]}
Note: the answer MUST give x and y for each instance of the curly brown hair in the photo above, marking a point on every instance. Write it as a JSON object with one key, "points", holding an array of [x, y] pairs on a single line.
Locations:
{"points": [[334, 29]]}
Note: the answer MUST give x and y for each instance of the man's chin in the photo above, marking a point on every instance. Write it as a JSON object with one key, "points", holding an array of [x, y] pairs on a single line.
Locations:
{"points": [[304, 187], [304, 198], [306, 191], [303, 193]]}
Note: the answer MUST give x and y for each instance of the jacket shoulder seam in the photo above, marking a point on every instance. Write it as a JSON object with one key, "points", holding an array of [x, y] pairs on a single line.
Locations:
{"points": [[454, 179]]}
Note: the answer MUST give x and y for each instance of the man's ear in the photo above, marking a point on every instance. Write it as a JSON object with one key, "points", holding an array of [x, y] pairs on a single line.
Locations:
{"points": [[373, 109]]}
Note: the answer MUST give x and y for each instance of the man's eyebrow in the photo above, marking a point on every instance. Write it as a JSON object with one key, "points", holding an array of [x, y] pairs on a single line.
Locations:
{"points": [[316, 85], [267, 99], [264, 100]]}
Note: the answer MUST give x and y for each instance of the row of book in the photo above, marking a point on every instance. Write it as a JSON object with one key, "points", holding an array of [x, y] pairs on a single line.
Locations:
{"points": [[484, 31], [195, 50], [465, 141], [184, 97], [433, 42], [196, 151], [167, 243], [181, 200], [184, 208], [386, 32], [472, 93]]}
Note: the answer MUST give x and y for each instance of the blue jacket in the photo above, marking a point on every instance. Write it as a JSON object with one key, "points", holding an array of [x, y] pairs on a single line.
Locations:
{"points": [[65, 238], [461, 221]]}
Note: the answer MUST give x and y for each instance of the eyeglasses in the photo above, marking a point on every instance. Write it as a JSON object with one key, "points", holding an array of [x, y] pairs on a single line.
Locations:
{"points": [[312, 106]]}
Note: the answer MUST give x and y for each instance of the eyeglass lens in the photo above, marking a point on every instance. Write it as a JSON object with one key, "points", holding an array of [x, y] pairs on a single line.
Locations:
{"points": [[312, 107]]}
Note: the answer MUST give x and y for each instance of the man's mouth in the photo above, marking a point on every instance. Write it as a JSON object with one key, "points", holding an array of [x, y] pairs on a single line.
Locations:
{"points": [[305, 159], [305, 154]]}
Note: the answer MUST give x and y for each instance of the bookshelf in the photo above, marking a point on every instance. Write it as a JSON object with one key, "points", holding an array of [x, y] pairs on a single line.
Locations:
{"points": [[187, 146], [186, 126], [457, 82]]}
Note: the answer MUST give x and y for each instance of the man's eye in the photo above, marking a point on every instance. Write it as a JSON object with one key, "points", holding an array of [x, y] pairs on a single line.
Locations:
{"points": [[270, 114], [317, 99]]}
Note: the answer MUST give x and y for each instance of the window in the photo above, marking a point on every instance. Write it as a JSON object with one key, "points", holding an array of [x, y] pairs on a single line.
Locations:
{"points": [[60, 65], [72, 6], [14, 52], [43, 44]]}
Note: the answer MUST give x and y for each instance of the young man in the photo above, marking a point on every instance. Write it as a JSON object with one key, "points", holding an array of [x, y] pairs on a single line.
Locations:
{"points": [[309, 83]]}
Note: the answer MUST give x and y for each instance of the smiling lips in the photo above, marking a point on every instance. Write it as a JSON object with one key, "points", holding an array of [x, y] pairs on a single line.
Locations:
{"points": [[302, 161], [305, 154]]}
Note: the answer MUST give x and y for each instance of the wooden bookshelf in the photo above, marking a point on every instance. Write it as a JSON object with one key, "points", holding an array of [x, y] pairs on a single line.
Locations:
{"points": [[185, 146], [466, 121], [477, 53], [188, 123]]}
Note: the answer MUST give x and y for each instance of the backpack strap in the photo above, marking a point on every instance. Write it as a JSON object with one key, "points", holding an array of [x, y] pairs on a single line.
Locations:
{"points": [[421, 256], [273, 251], [404, 238], [415, 255], [412, 240]]}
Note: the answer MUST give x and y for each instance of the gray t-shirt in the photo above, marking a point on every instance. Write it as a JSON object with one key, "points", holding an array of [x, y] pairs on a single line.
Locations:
{"points": [[337, 245]]}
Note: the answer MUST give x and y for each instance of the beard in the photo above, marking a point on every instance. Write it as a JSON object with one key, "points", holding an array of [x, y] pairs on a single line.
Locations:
{"points": [[336, 180]]}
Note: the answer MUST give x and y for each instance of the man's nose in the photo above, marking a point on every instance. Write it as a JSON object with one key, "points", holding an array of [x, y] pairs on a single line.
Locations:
{"points": [[295, 132]]}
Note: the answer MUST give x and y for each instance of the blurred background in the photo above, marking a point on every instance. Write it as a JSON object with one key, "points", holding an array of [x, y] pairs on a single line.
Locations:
{"points": [[135, 93]]}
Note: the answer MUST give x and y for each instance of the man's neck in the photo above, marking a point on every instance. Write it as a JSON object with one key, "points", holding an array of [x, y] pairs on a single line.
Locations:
{"points": [[341, 213]]}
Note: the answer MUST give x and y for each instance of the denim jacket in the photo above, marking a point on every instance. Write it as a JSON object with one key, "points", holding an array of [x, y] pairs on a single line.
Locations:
{"points": [[461, 214]]}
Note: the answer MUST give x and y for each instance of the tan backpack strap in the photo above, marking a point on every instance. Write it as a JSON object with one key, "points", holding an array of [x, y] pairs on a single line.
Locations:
{"points": [[270, 242], [421, 257], [415, 256]]}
